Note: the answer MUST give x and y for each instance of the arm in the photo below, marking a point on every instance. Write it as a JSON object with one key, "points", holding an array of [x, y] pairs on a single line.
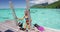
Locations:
{"points": [[20, 18], [30, 20]]}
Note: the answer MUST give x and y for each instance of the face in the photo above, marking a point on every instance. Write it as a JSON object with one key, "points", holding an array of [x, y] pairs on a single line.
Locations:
{"points": [[26, 13]]}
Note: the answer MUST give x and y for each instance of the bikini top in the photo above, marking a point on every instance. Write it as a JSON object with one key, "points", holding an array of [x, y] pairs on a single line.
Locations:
{"points": [[26, 18]]}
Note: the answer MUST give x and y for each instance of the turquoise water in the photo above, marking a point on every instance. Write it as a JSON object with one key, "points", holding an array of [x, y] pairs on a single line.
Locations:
{"points": [[44, 17]]}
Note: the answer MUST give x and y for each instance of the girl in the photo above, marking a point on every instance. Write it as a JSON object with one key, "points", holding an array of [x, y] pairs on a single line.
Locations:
{"points": [[40, 28]]}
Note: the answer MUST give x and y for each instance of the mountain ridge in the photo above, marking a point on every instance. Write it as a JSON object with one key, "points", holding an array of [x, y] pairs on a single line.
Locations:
{"points": [[53, 5]]}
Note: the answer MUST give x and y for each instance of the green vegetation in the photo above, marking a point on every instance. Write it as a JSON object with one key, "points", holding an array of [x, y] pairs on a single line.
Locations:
{"points": [[53, 5]]}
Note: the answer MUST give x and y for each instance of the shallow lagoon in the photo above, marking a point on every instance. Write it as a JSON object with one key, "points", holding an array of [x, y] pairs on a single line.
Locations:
{"points": [[44, 17]]}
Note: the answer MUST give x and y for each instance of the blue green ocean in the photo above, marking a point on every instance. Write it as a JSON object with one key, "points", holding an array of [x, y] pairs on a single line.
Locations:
{"points": [[44, 17]]}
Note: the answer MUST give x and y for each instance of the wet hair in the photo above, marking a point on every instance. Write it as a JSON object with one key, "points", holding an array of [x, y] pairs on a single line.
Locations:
{"points": [[22, 29], [36, 25], [20, 24], [26, 14]]}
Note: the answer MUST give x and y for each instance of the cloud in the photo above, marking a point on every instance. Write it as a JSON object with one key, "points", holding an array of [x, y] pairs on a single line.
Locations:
{"points": [[51, 1], [38, 1], [42, 1]]}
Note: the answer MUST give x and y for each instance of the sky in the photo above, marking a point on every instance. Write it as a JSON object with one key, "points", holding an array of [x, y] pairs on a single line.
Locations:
{"points": [[43, 1], [22, 3], [16, 3]]}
